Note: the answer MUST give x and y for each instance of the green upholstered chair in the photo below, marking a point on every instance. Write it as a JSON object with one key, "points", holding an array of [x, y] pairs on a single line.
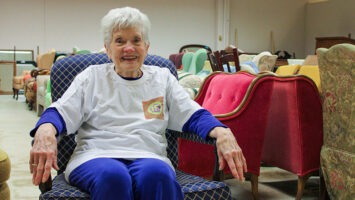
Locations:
{"points": [[186, 61], [337, 71], [198, 61], [5, 168], [48, 97]]}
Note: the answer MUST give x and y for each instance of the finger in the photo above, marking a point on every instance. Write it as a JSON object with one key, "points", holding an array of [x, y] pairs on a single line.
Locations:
{"points": [[34, 177], [31, 161], [240, 168], [233, 168], [221, 161], [55, 162], [47, 170], [245, 164], [39, 170]]}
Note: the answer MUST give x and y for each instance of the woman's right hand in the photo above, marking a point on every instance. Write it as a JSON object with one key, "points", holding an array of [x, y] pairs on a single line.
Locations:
{"points": [[43, 155]]}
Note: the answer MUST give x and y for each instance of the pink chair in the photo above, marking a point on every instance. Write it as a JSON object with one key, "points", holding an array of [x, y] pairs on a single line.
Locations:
{"points": [[294, 132], [241, 101]]}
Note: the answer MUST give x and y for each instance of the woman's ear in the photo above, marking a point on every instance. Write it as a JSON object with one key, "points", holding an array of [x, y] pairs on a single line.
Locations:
{"points": [[108, 52]]}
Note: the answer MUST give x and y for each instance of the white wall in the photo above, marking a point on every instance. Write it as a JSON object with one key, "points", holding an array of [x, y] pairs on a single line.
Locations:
{"points": [[67, 23], [64, 24], [327, 19], [253, 21]]}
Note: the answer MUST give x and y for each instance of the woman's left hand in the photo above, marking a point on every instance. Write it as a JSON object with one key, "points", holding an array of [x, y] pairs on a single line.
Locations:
{"points": [[229, 152]]}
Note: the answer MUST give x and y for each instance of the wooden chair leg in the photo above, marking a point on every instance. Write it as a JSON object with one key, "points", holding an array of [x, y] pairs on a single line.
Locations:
{"points": [[17, 91], [300, 185], [254, 186]]}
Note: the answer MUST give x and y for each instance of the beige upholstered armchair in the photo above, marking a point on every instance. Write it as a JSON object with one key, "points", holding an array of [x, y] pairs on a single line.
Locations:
{"points": [[18, 82], [44, 65], [337, 71]]}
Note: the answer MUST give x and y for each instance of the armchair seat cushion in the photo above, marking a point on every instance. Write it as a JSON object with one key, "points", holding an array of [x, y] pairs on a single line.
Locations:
{"points": [[194, 187]]}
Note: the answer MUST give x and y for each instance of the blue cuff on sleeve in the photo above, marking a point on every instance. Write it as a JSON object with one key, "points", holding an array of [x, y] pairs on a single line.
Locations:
{"points": [[201, 123], [50, 115]]}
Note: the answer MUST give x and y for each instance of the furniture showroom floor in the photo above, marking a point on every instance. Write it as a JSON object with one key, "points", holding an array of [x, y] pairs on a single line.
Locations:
{"points": [[16, 120]]}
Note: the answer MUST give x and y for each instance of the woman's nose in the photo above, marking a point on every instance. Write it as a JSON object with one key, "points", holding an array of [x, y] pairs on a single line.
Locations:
{"points": [[129, 47]]}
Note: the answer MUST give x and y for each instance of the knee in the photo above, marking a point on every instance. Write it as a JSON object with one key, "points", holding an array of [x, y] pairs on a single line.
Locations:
{"points": [[112, 184], [158, 175], [158, 183], [112, 177], [165, 174]]}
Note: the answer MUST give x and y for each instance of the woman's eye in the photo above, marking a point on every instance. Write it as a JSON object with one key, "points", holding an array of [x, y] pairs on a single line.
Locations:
{"points": [[119, 41], [137, 40]]}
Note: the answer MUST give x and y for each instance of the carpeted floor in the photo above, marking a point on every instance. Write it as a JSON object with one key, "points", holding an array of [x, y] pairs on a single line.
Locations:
{"points": [[16, 121]]}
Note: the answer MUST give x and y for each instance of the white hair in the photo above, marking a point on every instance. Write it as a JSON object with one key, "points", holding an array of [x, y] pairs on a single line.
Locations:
{"points": [[123, 18]]}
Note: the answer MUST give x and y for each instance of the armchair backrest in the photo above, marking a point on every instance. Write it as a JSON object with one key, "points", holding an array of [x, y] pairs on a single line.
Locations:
{"points": [[194, 48], [62, 74], [225, 59], [45, 60], [286, 70], [337, 71], [176, 58], [231, 87], [198, 61], [64, 70], [186, 61], [337, 67], [213, 62]]}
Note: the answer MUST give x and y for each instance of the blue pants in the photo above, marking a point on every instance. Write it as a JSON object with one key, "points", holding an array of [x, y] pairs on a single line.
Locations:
{"points": [[146, 178]]}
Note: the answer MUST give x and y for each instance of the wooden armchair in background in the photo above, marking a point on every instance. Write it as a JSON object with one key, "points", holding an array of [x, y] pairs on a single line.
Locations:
{"points": [[44, 65], [227, 61]]}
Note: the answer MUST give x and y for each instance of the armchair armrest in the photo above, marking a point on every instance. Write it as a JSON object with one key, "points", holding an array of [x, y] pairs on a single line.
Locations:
{"points": [[172, 137], [46, 186], [218, 175], [35, 72]]}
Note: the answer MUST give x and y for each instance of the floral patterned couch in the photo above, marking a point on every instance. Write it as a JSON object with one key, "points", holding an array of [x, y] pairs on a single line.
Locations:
{"points": [[337, 70]]}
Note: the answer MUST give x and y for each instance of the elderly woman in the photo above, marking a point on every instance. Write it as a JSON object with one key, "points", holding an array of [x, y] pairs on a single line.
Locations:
{"points": [[120, 111]]}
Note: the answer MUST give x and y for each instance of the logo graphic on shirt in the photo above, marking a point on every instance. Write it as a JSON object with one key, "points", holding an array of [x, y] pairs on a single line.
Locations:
{"points": [[153, 109]]}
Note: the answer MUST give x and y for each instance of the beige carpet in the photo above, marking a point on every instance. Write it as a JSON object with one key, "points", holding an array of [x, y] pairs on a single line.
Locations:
{"points": [[16, 121]]}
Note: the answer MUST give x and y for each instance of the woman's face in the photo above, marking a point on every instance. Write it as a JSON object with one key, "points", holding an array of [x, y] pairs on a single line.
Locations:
{"points": [[127, 50]]}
